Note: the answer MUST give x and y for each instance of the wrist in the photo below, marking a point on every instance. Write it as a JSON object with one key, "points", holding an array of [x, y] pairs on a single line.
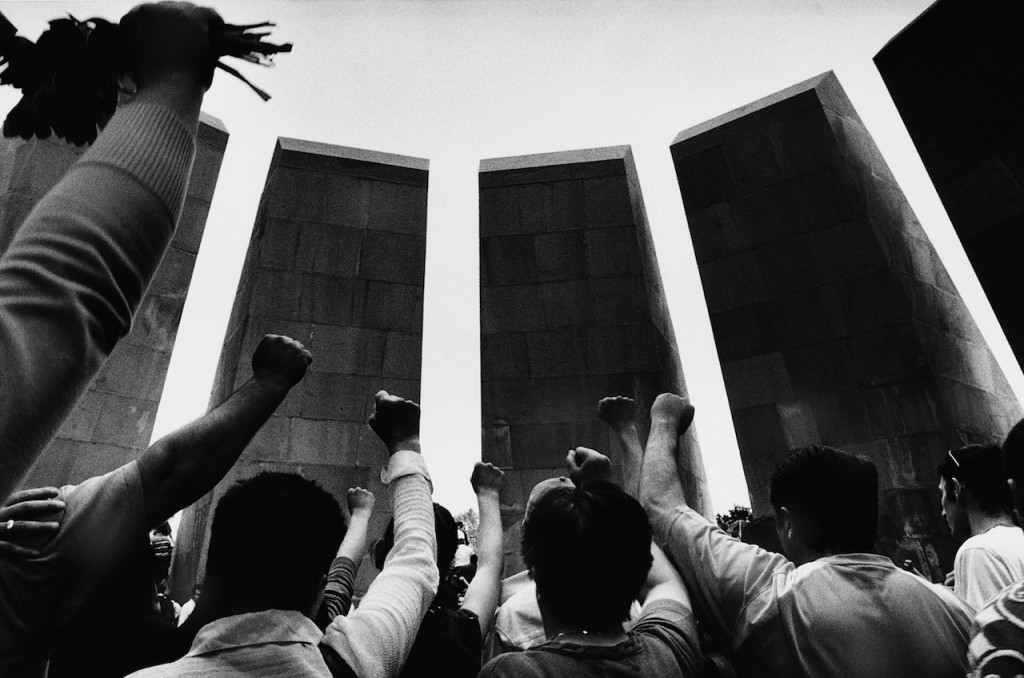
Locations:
{"points": [[411, 444], [487, 494]]}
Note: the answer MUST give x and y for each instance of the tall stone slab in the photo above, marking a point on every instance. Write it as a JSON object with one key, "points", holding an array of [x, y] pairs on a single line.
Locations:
{"points": [[572, 310], [955, 75], [336, 261], [113, 421], [834, 319]]}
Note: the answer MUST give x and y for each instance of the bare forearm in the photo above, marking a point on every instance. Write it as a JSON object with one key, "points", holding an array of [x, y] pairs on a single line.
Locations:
{"points": [[632, 457], [186, 464], [660, 487], [353, 546], [484, 591]]}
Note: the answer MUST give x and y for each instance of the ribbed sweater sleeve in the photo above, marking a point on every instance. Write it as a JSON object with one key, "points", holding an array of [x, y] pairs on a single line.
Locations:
{"points": [[375, 638], [337, 591], [77, 269]]}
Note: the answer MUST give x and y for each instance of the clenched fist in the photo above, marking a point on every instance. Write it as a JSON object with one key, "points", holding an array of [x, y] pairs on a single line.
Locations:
{"points": [[396, 421], [487, 478], [169, 40], [280, 361], [618, 411], [587, 465], [360, 501]]}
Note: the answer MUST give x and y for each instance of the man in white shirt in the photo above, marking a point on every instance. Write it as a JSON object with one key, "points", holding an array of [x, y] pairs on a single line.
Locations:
{"points": [[977, 504]]}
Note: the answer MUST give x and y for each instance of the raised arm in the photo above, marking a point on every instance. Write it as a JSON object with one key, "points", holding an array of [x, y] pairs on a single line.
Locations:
{"points": [[374, 640], [342, 576], [186, 464], [484, 591], [76, 270], [619, 413], [722, 574]]}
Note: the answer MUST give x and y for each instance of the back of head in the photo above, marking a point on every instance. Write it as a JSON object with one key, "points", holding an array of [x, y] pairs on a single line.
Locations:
{"points": [[832, 495], [273, 539], [446, 530], [1013, 453], [980, 469], [589, 551]]}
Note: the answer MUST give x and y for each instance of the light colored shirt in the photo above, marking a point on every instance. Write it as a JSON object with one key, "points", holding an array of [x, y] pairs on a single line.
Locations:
{"points": [[850, 615], [987, 563], [101, 520], [997, 648], [268, 644]]}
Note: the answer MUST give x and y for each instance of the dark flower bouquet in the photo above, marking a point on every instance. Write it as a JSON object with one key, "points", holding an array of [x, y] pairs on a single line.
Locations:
{"points": [[74, 75]]}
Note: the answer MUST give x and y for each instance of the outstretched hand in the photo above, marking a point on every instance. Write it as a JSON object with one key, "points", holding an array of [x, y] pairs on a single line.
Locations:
{"points": [[586, 465], [360, 502], [22, 517], [617, 411], [280, 361], [396, 421], [165, 41], [486, 478]]}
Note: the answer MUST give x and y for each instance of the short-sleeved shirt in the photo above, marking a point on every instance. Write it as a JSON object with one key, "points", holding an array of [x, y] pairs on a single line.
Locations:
{"points": [[449, 643], [102, 518], [987, 563], [662, 643], [852, 615], [998, 645]]}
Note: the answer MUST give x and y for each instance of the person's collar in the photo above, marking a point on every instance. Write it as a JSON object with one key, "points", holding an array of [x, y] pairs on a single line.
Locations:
{"points": [[255, 628]]}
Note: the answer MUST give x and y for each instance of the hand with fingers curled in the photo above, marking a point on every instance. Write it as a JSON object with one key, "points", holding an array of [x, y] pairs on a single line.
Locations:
{"points": [[586, 466], [396, 421], [487, 478], [360, 502], [25, 518], [280, 361], [617, 411]]}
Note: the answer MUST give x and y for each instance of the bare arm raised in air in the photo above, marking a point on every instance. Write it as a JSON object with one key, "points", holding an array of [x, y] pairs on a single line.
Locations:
{"points": [[484, 591], [619, 413], [76, 270], [375, 639], [341, 578], [186, 464]]}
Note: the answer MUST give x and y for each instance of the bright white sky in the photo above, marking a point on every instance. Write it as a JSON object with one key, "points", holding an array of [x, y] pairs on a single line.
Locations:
{"points": [[459, 81]]}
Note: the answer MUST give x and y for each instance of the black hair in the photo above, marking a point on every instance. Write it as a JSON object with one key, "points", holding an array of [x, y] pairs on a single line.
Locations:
{"points": [[980, 469], [1013, 453], [589, 551], [447, 532], [832, 495], [273, 539]]}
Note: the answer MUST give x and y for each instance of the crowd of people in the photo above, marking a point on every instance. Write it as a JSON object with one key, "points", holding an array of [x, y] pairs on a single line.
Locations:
{"points": [[621, 579]]}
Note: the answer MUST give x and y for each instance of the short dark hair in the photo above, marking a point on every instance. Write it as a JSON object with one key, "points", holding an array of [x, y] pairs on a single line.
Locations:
{"points": [[833, 495], [1013, 452], [589, 551], [980, 469], [273, 539], [447, 532]]}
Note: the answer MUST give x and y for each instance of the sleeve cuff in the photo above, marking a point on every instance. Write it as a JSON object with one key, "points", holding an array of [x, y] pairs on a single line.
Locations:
{"points": [[405, 463], [152, 144]]}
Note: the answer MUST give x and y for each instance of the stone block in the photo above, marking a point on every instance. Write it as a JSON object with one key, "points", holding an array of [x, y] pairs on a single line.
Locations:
{"points": [[733, 281], [744, 331], [397, 208], [608, 202], [561, 255], [403, 356], [173, 276], [156, 322], [339, 397], [323, 441], [392, 257], [124, 421], [557, 353], [350, 350], [276, 294], [390, 306], [752, 163], [191, 225], [329, 249], [273, 441], [565, 304], [509, 260], [614, 300], [620, 348], [613, 253], [504, 356], [758, 380], [511, 308], [499, 212]]}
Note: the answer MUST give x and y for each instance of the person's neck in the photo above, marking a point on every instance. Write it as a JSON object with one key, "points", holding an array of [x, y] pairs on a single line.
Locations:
{"points": [[583, 636], [983, 522]]}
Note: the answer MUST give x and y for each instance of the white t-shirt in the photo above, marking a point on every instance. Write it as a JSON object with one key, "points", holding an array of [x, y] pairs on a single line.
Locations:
{"points": [[987, 563]]}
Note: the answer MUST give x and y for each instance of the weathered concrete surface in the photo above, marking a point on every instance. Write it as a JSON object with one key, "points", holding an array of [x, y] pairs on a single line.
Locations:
{"points": [[335, 261], [955, 75], [834, 319], [572, 310], [113, 421]]}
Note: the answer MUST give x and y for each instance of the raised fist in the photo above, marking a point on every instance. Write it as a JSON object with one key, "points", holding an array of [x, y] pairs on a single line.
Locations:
{"points": [[360, 501], [587, 465], [280, 361], [672, 409], [23, 518], [617, 412], [396, 421], [168, 40], [486, 478]]}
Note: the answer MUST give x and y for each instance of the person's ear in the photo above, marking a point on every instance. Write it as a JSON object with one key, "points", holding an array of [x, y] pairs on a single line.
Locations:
{"points": [[958, 490], [786, 525]]}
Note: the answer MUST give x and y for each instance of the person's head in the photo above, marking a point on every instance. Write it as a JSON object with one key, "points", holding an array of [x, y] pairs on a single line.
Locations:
{"points": [[826, 502], [447, 541], [273, 539], [542, 488], [972, 481], [589, 551], [1013, 463]]}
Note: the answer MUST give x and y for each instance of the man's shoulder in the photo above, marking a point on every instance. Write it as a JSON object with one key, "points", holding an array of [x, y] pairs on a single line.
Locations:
{"points": [[998, 645]]}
